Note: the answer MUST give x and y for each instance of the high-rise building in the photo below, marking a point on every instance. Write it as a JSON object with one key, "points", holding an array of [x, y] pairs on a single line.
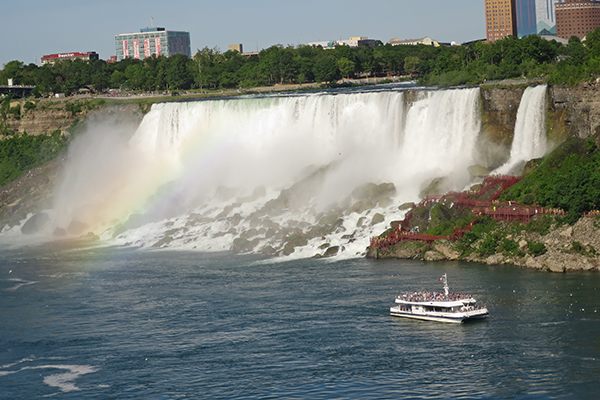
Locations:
{"points": [[577, 18], [526, 17], [545, 11], [500, 16], [151, 41]]}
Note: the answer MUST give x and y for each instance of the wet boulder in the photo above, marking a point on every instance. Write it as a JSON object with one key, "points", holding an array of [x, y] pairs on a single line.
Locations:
{"points": [[268, 251], [373, 192], [377, 218], [406, 206], [478, 171], [435, 187], [165, 241], [76, 227], [331, 251], [420, 219], [241, 245], [293, 241]]}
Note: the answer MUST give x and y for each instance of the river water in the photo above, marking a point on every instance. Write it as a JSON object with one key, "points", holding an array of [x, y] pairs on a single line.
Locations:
{"points": [[101, 323]]}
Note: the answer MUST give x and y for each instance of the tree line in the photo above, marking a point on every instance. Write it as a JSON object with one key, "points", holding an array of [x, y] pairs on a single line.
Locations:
{"points": [[211, 69]]}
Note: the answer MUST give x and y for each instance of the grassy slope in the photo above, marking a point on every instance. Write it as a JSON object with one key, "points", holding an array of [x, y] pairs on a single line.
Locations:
{"points": [[567, 178]]}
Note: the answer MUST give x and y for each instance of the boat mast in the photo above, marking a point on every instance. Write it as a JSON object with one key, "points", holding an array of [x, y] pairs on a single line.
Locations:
{"points": [[446, 288]]}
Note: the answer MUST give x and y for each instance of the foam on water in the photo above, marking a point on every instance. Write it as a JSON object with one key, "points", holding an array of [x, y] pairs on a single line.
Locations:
{"points": [[65, 381]]}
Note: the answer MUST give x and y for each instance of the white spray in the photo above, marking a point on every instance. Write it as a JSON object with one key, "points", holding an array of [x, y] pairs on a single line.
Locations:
{"points": [[182, 153]]}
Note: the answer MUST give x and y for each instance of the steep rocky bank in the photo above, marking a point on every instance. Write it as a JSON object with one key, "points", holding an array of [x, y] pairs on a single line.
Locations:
{"points": [[566, 248], [44, 116], [574, 111], [571, 111], [33, 190]]}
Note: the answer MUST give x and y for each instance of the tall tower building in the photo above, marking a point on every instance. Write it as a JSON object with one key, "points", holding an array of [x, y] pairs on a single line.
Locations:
{"points": [[501, 19], [545, 11], [153, 40], [526, 17], [577, 18]]}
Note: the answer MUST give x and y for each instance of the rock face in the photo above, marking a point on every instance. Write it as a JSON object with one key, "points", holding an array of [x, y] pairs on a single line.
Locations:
{"points": [[50, 115], [499, 107], [447, 249], [42, 122], [567, 248], [572, 111], [405, 250], [575, 112], [32, 192]]}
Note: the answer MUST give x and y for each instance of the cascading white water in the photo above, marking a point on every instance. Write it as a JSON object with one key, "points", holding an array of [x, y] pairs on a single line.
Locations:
{"points": [[529, 140], [183, 154], [440, 135]]}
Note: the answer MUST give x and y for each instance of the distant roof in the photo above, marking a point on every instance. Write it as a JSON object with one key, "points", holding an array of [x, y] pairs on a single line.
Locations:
{"points": [[67, 55], [558, 39], [152, 29], [149, 30], [424, 40]]}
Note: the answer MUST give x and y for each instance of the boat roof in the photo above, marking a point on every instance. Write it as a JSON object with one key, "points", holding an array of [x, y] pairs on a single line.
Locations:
{"points": [[454, 303]]}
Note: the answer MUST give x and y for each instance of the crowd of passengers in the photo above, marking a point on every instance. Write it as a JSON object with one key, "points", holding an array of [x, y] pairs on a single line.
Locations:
{"points": [[434, 296]]}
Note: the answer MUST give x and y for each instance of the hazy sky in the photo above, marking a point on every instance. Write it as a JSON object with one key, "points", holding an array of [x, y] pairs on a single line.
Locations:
{"points": [[33, 28]]}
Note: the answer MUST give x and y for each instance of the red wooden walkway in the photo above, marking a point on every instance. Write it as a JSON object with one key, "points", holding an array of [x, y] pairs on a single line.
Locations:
{"points": [[500, 211]]}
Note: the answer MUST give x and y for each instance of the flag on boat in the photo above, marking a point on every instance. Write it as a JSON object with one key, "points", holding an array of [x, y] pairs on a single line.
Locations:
{"points": [[442, 278]]}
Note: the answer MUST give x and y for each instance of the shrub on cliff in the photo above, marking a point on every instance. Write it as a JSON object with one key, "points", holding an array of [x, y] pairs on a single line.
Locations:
{"points": [[510, 248], [444, 220], [19, 154], [540, 225], [536, 249], [489, 245], [483, 228], [568, 178]]}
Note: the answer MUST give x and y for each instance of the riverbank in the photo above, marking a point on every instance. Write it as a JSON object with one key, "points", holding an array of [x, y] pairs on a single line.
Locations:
{"points": [[492, 224], [563, 248]]}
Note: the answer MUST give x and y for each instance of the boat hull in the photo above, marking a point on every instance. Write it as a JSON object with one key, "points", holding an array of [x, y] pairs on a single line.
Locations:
{"points": [[455, 317]]}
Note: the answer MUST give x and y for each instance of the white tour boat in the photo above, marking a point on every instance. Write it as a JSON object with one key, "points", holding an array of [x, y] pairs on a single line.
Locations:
{"points": [[436, 306]]}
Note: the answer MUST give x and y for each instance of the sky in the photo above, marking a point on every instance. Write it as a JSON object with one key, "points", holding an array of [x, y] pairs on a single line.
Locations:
{"points": [[34, 28]]}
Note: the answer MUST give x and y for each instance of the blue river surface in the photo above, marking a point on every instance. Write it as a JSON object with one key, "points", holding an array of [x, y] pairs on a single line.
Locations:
{"points": [[108, 323]]}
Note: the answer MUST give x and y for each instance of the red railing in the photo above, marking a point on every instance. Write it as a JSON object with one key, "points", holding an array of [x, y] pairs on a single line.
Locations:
{"points": [[501, 211]]}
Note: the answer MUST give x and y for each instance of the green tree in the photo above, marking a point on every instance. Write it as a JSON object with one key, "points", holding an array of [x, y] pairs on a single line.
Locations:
{"points": [[326, 70], [250, 73], [179, 72], [14, 70], [206, 60], [117, 79], [135, 76], [411, 64], [592, 43], [304, 67], [346, 67]]}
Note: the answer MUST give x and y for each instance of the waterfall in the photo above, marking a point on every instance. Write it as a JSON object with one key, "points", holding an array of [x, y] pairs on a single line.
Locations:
{"points": [[209, 175], [529, 140], [441, 132]]}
